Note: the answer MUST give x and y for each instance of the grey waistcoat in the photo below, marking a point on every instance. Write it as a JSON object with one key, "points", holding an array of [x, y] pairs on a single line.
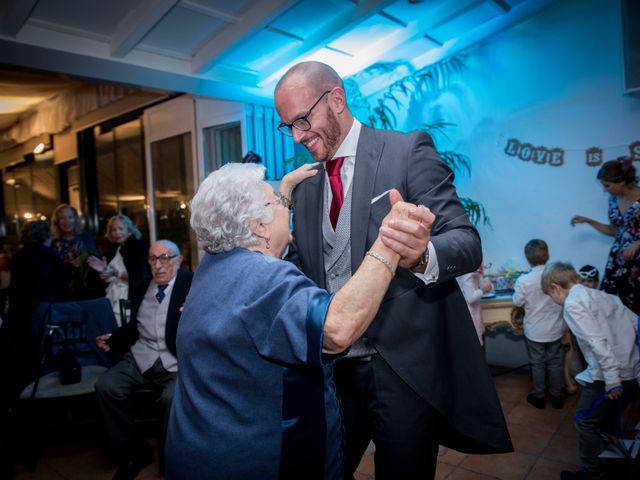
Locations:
{"points": [[336, 249]]}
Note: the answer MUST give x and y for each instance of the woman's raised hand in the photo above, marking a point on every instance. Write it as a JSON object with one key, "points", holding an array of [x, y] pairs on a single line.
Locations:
{"points": [[293, 178], [579, 219], [98, 265]]}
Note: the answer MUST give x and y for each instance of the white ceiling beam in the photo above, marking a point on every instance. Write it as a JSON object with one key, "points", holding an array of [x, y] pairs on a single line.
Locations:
{"points": [[414, 29], [112, 70], [500, 23], [14, 14], [138, 22], [253, 20], [326, 34], [206, 10]]}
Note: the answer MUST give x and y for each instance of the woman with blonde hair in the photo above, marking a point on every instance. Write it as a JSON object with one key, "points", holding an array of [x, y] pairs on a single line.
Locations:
{"points": [[74, 246], [125, 266]]}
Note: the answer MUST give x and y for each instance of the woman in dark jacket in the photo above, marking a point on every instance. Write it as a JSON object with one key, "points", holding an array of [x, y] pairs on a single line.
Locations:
{"points": [[126, 263]]}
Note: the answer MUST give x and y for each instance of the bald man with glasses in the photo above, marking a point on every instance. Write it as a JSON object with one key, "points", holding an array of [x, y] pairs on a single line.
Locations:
{"points": [[147, 346], [417, 377]]}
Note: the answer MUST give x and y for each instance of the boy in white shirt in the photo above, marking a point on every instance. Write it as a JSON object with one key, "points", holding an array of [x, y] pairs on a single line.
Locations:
{"points": [[543, 328], [606, 332]]}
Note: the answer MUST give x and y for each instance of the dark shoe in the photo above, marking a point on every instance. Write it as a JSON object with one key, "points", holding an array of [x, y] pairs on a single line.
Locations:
{"points": [[557, 402], [567, 475], [130, 468], [536, 401]]}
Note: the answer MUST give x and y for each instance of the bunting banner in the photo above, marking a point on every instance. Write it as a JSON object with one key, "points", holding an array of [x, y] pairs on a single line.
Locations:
{"points": [[555, 157]]}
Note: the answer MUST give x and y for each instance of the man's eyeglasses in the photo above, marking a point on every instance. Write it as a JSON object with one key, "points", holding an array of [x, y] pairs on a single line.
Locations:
{"points": [[280, 200], [301, 123], [164, 259]]}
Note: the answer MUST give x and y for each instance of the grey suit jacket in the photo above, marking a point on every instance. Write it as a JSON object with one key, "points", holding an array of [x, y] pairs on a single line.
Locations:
{"points": [[425, 333]]}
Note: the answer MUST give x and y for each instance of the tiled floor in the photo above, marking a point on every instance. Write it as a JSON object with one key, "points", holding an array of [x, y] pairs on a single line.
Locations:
{"points": [[544, 440], [545, 443]]}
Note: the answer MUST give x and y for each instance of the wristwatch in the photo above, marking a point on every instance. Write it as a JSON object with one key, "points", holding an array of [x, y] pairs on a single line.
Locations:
{"points": [[421, 266]]}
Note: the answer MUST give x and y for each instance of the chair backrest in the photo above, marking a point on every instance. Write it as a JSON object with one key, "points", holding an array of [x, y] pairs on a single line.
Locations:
{"points": [[73, 326]]}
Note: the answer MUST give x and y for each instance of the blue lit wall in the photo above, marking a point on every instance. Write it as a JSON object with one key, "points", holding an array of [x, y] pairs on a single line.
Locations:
{"points": [[555, 80], [264, 139]]}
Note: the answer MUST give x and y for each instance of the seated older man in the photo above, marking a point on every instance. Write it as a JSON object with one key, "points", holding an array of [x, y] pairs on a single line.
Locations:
{"points": [[148, 348]]}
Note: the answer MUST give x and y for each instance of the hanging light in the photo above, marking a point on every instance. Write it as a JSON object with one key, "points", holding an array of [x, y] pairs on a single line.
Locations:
{"points": [[44, 145]]}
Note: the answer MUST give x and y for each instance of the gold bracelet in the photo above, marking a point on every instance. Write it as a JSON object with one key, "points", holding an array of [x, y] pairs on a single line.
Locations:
{"points": [[383, 260]]}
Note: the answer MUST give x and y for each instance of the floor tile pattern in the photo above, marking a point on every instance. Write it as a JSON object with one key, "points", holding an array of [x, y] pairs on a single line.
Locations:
{"points": [[545, 443]]}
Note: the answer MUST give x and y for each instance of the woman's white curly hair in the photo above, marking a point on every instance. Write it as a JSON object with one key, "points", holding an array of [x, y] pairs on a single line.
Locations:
{"points": [[227, 202]]}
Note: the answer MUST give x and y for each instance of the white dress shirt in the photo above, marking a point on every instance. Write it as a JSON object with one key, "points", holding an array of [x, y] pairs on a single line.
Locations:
{"points": [[152, 322], [606, 333], [348, 149], [542, 316]]}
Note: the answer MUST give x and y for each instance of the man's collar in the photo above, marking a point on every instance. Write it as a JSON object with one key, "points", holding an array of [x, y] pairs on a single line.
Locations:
{"points": [[171, 282], [349, 145]]}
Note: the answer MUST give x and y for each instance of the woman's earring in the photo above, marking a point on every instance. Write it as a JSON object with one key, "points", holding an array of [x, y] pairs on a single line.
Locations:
{"points": [[268, 244]]}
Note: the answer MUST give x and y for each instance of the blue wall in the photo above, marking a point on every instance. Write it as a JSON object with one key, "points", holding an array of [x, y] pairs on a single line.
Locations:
{"points": [[555, 80]]}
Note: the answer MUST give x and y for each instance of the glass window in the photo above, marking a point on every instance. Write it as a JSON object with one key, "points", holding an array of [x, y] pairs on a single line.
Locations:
{"points": [[73, 186], [222, 144], [171, 163], [121, 173], [30, 192]]}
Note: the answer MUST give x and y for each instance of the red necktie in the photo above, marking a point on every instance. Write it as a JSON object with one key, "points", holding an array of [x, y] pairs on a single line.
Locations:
{"points": [[333, 170]]}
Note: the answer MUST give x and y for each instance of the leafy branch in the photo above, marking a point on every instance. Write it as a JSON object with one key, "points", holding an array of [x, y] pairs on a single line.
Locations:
{"points": [[476, 211], [416, 86], [297, 160]]}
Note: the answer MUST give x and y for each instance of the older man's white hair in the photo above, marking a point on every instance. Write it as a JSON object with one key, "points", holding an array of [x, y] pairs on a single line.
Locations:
{"points": [[168, 244], [226, 204]]}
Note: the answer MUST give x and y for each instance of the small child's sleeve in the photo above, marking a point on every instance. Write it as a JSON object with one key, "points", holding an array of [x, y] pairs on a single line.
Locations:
{"points": [[518, 293]]}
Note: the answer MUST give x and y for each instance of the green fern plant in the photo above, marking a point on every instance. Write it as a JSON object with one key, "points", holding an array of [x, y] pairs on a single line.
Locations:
{"points": [[414, 87], [476, 211], [298, 160]]}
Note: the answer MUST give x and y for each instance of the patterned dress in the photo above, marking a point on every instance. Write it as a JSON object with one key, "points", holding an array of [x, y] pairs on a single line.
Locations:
{"points": [[622, 277], [67, 249], [83, 280]]}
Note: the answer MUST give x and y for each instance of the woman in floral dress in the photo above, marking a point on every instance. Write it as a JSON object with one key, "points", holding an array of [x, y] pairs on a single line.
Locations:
{"points": [[622, 272], [74, 247]]}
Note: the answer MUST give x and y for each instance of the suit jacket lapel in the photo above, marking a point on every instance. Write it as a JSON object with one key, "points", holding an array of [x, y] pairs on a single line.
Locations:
{"points": [[175, 302], [368, 157], [136, 295], [178, 295], [312, 222]]}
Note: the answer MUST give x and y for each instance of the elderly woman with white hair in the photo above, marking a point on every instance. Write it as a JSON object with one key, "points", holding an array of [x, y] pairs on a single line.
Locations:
{"points": [[254, 397], [125, 266]]}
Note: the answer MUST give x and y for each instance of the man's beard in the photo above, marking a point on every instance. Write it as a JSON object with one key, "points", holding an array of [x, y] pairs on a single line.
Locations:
{"points": [[330, 137]]}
